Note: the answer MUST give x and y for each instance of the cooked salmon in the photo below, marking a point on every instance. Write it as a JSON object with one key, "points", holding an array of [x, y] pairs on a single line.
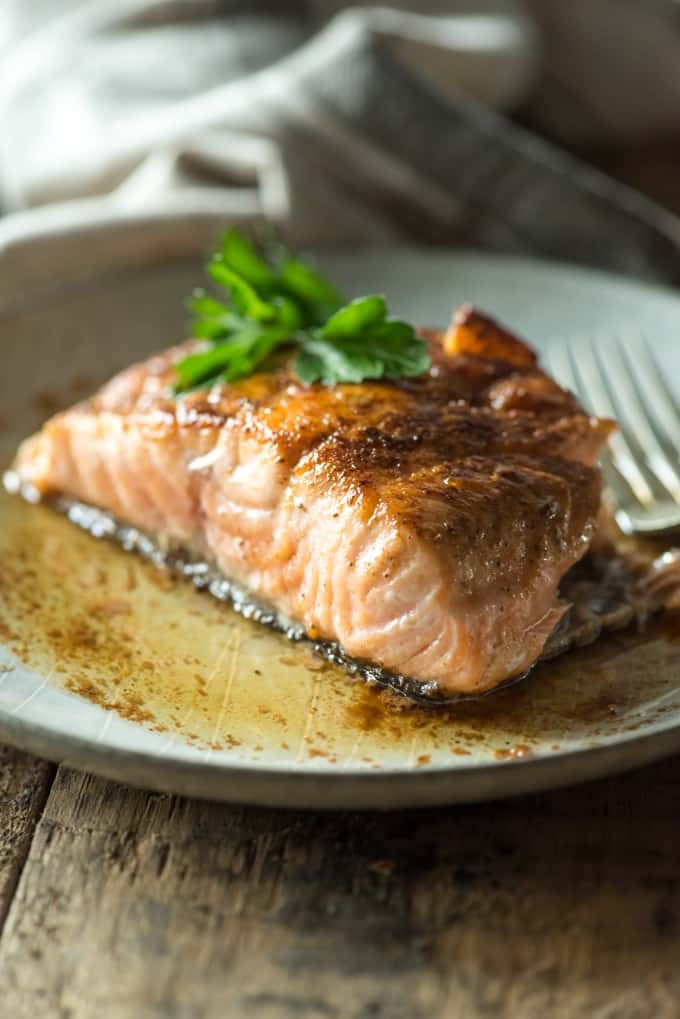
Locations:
{"points": [[423, 524]]}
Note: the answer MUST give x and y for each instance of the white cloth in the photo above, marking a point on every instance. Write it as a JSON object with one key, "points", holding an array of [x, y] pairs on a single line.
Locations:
{"points": [[355, 125]]}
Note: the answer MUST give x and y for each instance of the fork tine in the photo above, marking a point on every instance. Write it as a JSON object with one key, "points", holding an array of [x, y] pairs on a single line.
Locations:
{"points": [[634, 414], [661, 403], [561, 362], [560, 366], [587, 368]]}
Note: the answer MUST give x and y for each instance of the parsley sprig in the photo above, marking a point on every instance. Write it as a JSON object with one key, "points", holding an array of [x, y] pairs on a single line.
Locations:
{"points": [[280, 303]]}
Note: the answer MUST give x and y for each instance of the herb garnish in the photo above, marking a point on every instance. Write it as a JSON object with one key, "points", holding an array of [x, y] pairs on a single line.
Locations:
{"points": [[281, 302]]}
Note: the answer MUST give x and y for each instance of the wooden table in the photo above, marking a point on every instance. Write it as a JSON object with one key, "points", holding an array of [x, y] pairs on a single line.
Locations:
{"points": [[118, 903]]}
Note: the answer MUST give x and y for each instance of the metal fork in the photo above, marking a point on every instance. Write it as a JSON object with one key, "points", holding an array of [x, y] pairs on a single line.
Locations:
{"points": [[641, 467]]}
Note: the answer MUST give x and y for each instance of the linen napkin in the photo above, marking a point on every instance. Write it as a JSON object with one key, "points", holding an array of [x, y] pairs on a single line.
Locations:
{"points": [[150, 119]]}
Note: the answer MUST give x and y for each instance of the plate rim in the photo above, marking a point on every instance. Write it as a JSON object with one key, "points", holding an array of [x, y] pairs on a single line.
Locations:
{"points": [[337, 790], [75, 222]]}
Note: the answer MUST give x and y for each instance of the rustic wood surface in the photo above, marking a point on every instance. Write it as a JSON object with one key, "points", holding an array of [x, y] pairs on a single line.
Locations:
{"points": [[131, 904], [24, 785]]}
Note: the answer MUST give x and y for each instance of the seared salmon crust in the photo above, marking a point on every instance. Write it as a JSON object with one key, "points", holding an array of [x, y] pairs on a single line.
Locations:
{"points": [[423, 524]]}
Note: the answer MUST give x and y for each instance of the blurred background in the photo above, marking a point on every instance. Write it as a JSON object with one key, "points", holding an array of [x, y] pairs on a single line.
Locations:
{"points": [[442, 122]]}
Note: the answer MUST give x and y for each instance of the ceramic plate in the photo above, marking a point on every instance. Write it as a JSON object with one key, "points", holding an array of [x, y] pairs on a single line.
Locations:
{"points": [[108, 665]]}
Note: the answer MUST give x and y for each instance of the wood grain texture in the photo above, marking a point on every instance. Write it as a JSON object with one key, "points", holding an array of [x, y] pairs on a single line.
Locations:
{"points": [[24, 784], [565, 904]]}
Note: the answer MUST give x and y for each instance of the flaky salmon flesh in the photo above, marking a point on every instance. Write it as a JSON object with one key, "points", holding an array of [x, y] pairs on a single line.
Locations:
{"points": [[422, 524]]}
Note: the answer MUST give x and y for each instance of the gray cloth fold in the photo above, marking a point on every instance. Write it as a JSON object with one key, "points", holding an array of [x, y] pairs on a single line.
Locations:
{"points": [[148, 116]]}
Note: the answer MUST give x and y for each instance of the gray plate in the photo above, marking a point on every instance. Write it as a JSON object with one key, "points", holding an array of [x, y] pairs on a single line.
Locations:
{"points": [[332, 744]]}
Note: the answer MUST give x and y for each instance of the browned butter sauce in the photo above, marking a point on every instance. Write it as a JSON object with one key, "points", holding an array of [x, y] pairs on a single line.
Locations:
{"points": [[113, 629]]}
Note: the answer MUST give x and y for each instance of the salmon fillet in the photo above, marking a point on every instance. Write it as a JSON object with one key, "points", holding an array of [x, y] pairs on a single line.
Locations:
{"points": [[423, 524]]}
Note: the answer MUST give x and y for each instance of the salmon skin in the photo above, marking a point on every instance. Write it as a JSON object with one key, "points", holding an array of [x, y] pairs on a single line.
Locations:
{"points": [[421, 526]]}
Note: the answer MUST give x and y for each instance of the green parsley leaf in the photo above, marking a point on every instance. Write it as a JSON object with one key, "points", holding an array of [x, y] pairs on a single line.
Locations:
{"points": [[238, 253], [356, 318], [283, 304], [304, 282], [319, 361], [374, 350], [213, 320], [245, 297]]}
